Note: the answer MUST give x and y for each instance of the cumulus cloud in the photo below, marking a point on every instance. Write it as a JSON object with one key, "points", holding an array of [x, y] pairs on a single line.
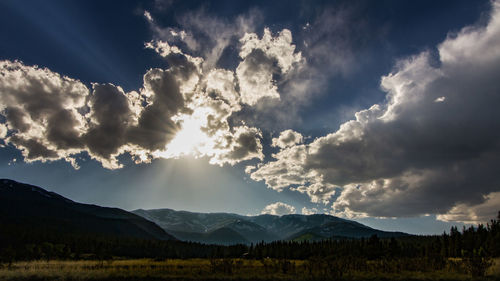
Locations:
{"points": [[412, 155], [222, 93], [221, 83], [278, 209], [41, 111], [287, 170], [278, 47], [243, 144], [287, 138], [177, 112], [311, 211], [318, 191], [187, 108], [255, 77], [263, 58]]}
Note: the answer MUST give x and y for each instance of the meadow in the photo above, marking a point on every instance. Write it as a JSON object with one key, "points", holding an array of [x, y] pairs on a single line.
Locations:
{"points": [[231, 269]]}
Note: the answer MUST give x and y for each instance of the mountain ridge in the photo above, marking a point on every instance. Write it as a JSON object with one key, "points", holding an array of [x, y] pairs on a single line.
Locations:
{"points": [[32, 206], [28, 205], [194, 226]]}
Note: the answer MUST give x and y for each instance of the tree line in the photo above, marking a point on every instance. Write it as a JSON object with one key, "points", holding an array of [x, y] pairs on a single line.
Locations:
{"points": [[19, 242]]}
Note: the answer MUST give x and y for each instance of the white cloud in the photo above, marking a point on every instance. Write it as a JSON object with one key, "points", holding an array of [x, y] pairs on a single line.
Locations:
{"points": [[3, 131], [277, 47], [410, 155], [311, 211], [255, 72], [278, 209], [318, 192], [255, 78], [440, 99], [221, 82], [287, 138], [287, 170]]}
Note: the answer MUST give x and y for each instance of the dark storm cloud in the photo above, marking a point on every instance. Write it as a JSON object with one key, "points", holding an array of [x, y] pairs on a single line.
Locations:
{"points": [[431, 147]]}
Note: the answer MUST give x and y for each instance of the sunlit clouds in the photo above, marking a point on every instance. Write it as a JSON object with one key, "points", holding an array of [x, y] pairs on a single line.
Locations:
{"points": [[185, 109], [237, 90], [278, 209], [431, 147]]}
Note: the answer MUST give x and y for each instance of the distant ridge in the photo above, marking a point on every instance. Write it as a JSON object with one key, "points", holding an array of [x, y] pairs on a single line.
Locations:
{"points": [[29, 206], [211, 227]]}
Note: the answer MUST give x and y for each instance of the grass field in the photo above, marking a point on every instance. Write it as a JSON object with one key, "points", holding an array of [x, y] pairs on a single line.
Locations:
{"points": [[206, 269]]}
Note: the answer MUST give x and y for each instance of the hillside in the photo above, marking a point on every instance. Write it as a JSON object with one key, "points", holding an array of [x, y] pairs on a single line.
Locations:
{"points": [[31, 207]]}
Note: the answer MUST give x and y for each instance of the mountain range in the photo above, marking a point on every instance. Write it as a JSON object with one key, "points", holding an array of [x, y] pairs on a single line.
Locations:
{"points": [[227, 228], [24, 206]]}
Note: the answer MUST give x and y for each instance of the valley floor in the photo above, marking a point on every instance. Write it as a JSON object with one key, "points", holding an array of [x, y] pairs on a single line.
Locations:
{"points": [[218, 269]]}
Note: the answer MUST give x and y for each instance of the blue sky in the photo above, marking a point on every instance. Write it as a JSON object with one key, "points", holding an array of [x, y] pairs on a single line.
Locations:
{"points": [[379, 111]]}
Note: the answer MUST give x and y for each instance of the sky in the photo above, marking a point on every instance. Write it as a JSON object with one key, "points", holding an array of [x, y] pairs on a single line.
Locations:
{"points": [[384, 112]]}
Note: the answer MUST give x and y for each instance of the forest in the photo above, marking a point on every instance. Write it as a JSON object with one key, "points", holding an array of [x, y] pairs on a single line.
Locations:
{"points": [[466, 253]]}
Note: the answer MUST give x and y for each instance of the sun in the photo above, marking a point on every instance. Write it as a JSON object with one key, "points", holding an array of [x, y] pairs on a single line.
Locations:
{"points": [[188, 138], [191, 139]]}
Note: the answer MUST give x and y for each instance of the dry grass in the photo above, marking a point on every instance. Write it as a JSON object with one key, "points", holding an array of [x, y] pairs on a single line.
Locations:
{"points": [[495, 268], [191, 269], [123, 269]]}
